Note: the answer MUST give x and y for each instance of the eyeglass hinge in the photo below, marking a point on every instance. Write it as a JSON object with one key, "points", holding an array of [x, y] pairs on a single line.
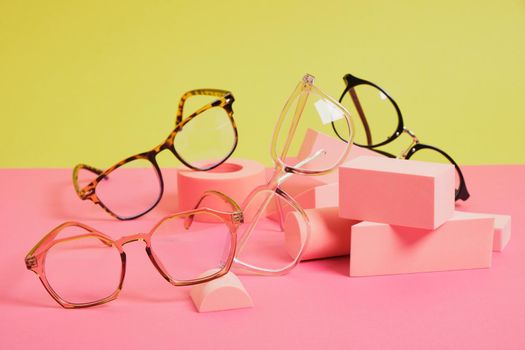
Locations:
{"points": [[308, 79], [31, 262], [86, 193], [238, 217], [229, 97]]}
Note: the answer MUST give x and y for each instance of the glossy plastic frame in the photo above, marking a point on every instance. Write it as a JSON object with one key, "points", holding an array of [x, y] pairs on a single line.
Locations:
{"points": [[351, 82], [305, 86], [35, 259], [282, 171], [225, 100], [238, 263]]}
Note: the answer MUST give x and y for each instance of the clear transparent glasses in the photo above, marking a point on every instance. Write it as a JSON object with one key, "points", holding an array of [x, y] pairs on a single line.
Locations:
{"points": [[262, 246], [80, 266], [202, 140], [380, 122]]}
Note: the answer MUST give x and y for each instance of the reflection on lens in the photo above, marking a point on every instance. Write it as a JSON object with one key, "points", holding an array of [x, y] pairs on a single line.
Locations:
{"points": [[207, 139], [131, 189], [262, 240], [375, 116], [83, 270], [434, 156], [190, 247], [306, 114]]}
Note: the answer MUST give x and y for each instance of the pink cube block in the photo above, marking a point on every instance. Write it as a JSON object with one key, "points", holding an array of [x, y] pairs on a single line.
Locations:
{"points": [[329, 234], [397, 192], [463, 242], [502, 232]]}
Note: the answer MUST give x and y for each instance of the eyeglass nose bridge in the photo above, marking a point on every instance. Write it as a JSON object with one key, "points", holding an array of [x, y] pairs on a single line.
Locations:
{"points": [[414, 142], [132, 238]]}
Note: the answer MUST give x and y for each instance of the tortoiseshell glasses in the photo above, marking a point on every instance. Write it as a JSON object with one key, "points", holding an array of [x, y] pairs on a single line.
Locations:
{"points": [[201, 140], [380, 122], [80, 266]]}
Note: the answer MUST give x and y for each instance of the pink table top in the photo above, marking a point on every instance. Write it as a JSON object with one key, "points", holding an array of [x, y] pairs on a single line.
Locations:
{"points": [[316, 305]]}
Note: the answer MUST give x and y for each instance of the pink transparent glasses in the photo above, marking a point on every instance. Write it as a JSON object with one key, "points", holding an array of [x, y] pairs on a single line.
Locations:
{"points": [[81, 267]]}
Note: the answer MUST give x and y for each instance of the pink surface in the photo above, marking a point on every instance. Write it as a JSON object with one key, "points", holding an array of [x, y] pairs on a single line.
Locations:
{"points": [[462, 242], [225, 293], [396, 191], [315, 306], [330, 234], [502, 230]]}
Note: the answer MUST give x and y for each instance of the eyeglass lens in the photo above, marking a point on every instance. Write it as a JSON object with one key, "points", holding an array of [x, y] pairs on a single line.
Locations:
{"points": [[84, 268], [307, 111], [130, 189], [375, 116], [207, 139], [262, 242], [189, 252]]}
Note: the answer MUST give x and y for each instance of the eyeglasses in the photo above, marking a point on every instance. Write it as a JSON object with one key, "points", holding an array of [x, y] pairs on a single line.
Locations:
{"points": [[381, 122], [81, 267], [262, 246], [202, 140]]}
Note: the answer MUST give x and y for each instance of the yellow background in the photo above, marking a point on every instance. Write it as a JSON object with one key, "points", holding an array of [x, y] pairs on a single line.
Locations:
{"points": [[96, 81]]}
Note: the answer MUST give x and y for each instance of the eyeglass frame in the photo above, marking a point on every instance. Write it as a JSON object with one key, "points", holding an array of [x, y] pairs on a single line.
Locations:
{"points": [[35, 259], [352, 81], [225, 101], [282, 171]]}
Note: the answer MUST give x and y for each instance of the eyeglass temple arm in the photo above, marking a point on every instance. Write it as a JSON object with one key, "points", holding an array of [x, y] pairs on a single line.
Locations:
{"points": [[305, 161], [77, 169], [197, 92], [236, 208], [362, 116], [462, 193]]}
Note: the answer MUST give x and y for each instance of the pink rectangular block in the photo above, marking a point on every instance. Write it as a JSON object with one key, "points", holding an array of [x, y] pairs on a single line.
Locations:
{"points": [[463, 242], [397, 192], [502, 231], [322, 196]]}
